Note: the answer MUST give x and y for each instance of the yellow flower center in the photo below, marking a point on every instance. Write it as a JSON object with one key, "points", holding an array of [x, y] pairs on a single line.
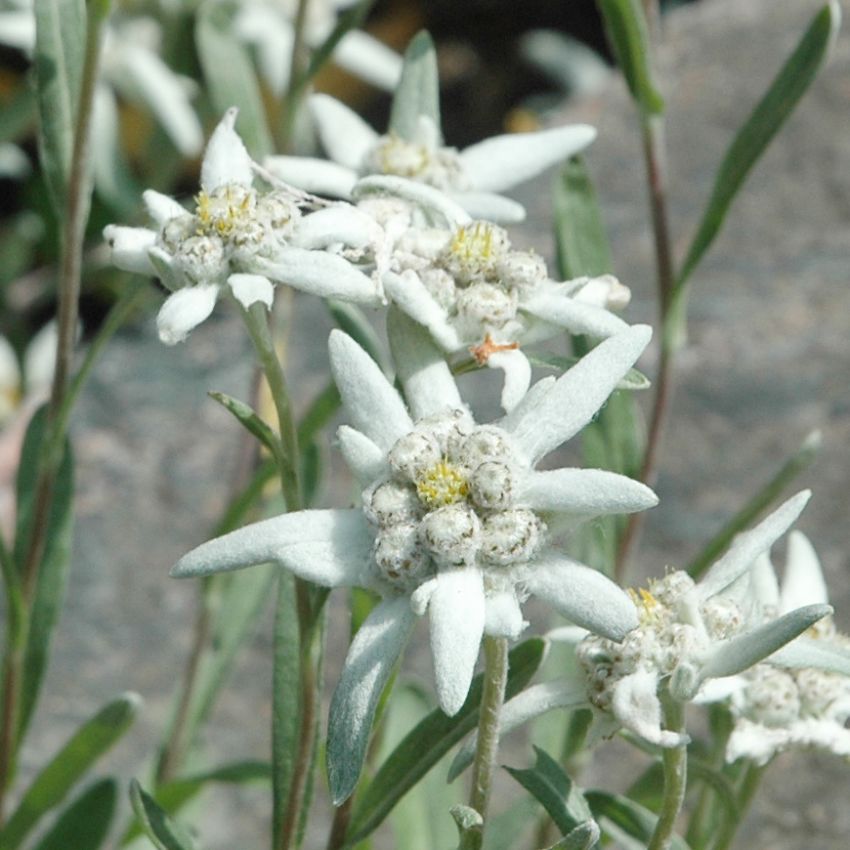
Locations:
{"points": [[222, 213], [404, 159], [442, 484], [475, 244], [649, 608]]}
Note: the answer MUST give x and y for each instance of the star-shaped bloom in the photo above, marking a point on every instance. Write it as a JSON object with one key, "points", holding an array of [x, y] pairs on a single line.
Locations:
{"points": [[456, 521], [474, 292], [267, 25], [474, 177], [241, 238], [132, 69], [799, 697], [693, 639]]}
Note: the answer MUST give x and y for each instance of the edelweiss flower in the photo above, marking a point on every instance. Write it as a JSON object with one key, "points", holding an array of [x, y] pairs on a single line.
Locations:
{"points": [[799, 697], [267, 26], [455, 521], [692, 638], [130, 65], [413, 148], [474, 292], [240, 239]]}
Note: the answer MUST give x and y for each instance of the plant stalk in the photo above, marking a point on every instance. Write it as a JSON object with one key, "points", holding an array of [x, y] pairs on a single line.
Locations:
{"points": [[655, 158], [297, 69], [74, 222], [746, 792], [492, 698], [675, 761]]}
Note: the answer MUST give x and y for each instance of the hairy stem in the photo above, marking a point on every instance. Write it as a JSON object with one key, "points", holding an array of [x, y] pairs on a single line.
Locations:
{"points": [[675, 762], [492, 697], [75, 216], [297, 68]]}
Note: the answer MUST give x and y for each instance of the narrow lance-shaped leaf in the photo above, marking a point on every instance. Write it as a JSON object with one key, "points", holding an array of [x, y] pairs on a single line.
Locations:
{"points": [[85, 823], [349, 19], [60, 43], [53, 569], [554, 790], [418, 92], [790, 84], [230, 76], [87, 744], [351, 319], [161, 829], [580, 236], [252, 422], [425, 745], [625, 24]]}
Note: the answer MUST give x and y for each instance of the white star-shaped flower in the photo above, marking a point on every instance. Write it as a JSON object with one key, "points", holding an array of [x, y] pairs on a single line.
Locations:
{"points": [[239, 239], [456, 521], [799, 697]]}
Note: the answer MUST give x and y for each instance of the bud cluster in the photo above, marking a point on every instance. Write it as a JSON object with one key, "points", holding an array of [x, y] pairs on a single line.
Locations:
{"points": [[449, 502]]}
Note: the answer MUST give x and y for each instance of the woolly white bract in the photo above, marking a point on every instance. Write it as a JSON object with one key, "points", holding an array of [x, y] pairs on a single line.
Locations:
{"points": [[799, 697], [455, 521], [239, 239]]}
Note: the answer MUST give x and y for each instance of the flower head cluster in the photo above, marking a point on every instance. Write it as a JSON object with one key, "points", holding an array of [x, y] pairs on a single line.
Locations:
{"points": [[456, 522], [801, 696], [240, 238], [693, 637]]}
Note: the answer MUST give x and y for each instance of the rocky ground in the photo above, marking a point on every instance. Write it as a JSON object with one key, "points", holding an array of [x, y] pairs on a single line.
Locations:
{"points": [[768, 360]]}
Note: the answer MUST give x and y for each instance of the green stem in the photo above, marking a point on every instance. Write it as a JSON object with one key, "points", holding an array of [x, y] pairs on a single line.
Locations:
{"points": [[71, 250], [675, 762], [655, 156], [746, 792], [308, 602], [492, 698]]}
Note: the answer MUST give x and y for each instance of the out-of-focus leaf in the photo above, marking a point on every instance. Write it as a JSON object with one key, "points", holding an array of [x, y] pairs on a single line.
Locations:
{"points": [[554, 790], [161, 829], [631, 818], [583, 837], [63, 771], [432, 738], [625, 24], [505, 829], [172, 796], [252, 422], [759, 503], [789, 85], [580, 236], [418, 92], [230, 76], [53, 569], [85, 823], [17, 115], [60, 43], [319, 413]]}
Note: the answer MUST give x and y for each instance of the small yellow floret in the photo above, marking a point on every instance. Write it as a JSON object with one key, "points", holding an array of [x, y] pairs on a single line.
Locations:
{"points": [[222, 215], [474, 243], [442, 484], [648, 606]]}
